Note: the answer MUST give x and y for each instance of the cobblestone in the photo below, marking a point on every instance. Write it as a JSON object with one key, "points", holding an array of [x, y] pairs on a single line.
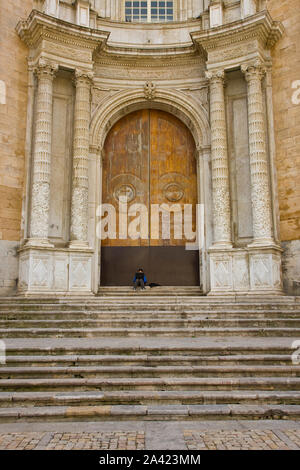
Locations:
{"points": [[214, 439], [73, 441], [240, 440]]}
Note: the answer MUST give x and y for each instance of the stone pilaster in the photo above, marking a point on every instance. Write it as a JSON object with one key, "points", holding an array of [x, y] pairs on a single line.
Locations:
{"points": [[41, 171], [219, 159], [260, 179], [79, 209]]}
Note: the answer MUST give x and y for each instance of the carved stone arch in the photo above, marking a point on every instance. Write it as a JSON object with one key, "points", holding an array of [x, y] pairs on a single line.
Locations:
{"points": [[193, 115]]}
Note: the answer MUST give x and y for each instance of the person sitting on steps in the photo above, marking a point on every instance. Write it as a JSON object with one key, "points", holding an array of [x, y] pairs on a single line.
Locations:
{"points": [[139, 279]]}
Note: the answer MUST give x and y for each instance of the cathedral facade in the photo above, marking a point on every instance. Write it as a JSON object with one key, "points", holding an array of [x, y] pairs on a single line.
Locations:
{"points": [[186, 102]]}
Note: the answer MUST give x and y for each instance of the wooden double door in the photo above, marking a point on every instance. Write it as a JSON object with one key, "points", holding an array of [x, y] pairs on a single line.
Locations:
{"points": [[149, 161]]}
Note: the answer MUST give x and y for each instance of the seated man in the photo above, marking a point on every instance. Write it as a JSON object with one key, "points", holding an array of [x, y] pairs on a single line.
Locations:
{"points": [[139, 279]]}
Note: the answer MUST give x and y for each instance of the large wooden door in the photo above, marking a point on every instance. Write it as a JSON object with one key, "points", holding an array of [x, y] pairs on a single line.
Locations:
{"points": [[149, 159]]}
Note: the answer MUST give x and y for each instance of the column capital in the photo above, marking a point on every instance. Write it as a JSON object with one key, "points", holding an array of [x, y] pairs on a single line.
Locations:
{"points": [[253, 71], [215, 75], [82, 76], [202, 151], [45, 68]]}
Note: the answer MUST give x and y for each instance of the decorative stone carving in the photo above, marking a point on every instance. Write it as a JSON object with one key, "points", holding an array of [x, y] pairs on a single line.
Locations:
{"points": [[174, 192], [40, 196], [260, 187], [149, 90], [125, 192], [219, 157], [79, 208], [51, 271], [80, 272]]}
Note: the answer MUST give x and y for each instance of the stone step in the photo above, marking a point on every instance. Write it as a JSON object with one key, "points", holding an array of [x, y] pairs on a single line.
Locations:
{"points": [[147, 360], [139, 302], [129, 397], [149, 413], [121, 291], [207, 383], [183, 347], [143, 315], [144, 332], [130, 323], [121, 371]]}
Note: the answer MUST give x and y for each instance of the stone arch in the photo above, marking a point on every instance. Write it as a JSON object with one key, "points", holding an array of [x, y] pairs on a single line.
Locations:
{"points": [[191, 113]]}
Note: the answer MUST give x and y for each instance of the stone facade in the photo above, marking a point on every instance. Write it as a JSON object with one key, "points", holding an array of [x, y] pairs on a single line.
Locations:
{"points": [[218, 67], [286, 95], [13, 108]]}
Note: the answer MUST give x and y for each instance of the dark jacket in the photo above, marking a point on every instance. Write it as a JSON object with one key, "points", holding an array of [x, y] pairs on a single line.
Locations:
{"points": [[145, 279]]}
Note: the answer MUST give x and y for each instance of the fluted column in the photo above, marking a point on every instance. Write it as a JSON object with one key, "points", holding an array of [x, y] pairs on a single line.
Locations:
{"points": [[260, 179], [41, 171], [219, 158], [79, 209]]}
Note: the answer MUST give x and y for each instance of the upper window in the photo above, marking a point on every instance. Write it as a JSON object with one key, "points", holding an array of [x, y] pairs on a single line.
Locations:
{"points": [[161, 10]]}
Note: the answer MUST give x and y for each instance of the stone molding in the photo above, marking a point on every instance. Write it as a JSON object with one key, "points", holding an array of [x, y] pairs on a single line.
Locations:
{"points": [[173, 101]]}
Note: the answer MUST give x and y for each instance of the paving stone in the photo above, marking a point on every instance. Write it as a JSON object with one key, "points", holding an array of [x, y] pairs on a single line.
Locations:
{"points": [[246, 440]]}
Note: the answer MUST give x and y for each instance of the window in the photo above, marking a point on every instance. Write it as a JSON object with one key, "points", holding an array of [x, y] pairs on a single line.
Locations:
{"points": [[147, 11]]}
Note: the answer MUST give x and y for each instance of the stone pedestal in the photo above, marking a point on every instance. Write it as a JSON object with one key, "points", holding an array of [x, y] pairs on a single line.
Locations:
{"points": [[246, 271], [55, 271]]}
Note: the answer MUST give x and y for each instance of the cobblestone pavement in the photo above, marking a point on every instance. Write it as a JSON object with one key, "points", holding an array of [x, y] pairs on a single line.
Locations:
{"points": [[242, 440], [147, 435], [73, 441]]}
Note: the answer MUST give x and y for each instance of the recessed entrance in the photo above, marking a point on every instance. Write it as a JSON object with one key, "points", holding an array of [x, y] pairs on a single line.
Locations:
{"points": [[149, 160]]}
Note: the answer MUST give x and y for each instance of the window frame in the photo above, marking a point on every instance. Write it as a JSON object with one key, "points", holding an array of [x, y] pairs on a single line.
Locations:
{"points": [[149, 15]]}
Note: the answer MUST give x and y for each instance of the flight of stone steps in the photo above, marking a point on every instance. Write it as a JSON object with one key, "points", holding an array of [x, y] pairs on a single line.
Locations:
{"points": [[153, 355]]}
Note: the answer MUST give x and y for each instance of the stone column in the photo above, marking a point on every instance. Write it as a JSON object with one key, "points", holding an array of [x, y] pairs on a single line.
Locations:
{"points": [[41, 172], [79, 209], [219, 159], [260, 179]]}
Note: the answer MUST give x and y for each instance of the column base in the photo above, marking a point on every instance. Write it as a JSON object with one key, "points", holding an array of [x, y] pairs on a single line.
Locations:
{"points": [[78, 245], [254, 270], [54, 271], [39, 243]]}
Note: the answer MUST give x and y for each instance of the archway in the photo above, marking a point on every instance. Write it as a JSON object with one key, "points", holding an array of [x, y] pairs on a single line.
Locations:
{"points": [[149, 159]]}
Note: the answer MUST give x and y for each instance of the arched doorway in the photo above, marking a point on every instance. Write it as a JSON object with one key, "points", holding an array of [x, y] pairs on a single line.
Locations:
{"points": [[149, 159]]}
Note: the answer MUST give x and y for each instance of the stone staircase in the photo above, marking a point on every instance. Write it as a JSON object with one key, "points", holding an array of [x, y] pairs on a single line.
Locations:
{"points": [[152, 355]]}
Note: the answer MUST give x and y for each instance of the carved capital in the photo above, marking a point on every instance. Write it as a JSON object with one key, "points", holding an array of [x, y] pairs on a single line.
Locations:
{"points": [[203, 151], [254, 71], [46, 69], [149, 90], [83, 77], [215, 76]]}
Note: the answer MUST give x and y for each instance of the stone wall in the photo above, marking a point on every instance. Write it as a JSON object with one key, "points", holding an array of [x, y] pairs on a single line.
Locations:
{"points": [[286, 95], [13, 104]]}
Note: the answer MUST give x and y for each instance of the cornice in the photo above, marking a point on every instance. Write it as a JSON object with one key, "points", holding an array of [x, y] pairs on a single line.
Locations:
{"points": [[191, 58], [39, 26], [149, 52], [259, 26]]}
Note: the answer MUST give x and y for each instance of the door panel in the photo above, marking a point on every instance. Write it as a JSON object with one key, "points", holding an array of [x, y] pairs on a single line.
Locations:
{"points": [[172, 170], [149, 158], [126, 167]]}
